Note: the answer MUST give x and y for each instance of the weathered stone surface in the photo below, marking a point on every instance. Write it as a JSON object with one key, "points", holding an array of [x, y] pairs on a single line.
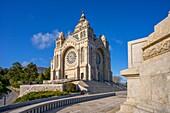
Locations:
{"points": [[152, 83], [24, 89], [103, 105], [135, 52]]}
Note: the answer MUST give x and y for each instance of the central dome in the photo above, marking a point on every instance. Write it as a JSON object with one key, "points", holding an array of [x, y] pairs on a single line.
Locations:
{"points": [[82, 23]]}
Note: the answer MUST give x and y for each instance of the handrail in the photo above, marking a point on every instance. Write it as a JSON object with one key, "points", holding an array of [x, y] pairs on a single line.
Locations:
{"points": [[22, 104], [48, 105]]}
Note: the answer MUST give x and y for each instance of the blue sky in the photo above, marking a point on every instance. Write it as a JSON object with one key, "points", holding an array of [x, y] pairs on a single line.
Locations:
{"points": [[119, 20]]}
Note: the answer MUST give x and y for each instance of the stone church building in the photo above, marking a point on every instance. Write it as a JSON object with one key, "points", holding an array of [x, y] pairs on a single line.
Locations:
{"points": [[81, 56]]}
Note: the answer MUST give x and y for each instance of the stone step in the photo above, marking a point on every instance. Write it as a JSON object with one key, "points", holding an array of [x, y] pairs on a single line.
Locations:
{"points": [[98, 87]]}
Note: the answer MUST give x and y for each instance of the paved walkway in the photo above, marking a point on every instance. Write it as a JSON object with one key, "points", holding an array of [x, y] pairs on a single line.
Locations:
{"points": [[11, 97], [104, 105]]}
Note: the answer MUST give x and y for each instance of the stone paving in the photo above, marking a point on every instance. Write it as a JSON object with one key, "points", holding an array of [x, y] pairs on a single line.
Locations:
{"points": [[11, 97], [104, 105]]}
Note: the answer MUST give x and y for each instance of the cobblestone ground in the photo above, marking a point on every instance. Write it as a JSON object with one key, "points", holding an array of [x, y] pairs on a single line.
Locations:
{"points": [[104, 105]]}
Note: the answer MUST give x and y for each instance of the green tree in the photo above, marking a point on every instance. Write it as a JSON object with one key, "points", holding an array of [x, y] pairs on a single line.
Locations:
{"points": [[3, 85], [40, 78], [116, 79], [32, 72], [47, 74], [15, 73], [3, 71]]}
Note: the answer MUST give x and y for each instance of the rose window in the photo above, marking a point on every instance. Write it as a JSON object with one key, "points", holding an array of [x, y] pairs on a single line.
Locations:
{"points": [[71, 57]]}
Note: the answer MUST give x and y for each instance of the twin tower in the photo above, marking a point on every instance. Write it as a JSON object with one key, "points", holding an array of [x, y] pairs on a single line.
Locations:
{"points": [[81, 56]]}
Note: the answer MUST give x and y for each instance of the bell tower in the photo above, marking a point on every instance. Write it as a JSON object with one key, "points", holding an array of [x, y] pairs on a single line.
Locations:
{"points": [[83, 29]]}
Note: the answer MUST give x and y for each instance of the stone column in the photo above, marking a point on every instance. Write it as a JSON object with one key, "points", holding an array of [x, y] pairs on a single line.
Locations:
{"points": [[133, 92]]}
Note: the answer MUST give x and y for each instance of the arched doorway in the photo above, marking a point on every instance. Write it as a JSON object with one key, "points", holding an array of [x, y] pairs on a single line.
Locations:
{"points": [[82, 76]]}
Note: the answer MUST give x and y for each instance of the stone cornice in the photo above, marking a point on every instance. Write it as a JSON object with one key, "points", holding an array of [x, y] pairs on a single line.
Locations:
{"points": [[158, 47], [130, 72]]}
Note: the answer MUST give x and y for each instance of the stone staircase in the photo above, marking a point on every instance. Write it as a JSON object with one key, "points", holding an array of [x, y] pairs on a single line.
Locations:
{"points": [[98, 87]]}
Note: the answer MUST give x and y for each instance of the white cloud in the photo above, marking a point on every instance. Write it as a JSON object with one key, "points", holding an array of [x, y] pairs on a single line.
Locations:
{"points": [[117, 41], [43, 60], [43, 41], [25, 63]]}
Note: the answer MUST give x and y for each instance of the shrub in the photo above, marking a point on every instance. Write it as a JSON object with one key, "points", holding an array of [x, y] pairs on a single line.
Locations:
{"points": [[70, 87], [39, 95], [16, 85]]}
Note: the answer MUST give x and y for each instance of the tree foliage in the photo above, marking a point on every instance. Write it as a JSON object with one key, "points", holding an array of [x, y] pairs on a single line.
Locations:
{"points": [[116, 79], [39, 95], [47, 74], [3, 85], [40, 78], [70, 87], [32, 72], [18, 75]]}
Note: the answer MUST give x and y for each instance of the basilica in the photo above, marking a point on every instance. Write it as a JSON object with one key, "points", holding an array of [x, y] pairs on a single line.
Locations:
{"points": [[81, 55]]}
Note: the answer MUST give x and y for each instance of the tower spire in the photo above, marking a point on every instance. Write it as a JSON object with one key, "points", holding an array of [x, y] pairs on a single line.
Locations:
{"points": [[82, 18]]}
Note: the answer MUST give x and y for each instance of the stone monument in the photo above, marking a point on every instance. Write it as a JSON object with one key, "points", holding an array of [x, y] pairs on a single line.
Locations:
{"points": [[148, 73]]}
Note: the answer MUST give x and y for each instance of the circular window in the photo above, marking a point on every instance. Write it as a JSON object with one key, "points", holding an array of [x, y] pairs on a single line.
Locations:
{"points": [[71, 57]]}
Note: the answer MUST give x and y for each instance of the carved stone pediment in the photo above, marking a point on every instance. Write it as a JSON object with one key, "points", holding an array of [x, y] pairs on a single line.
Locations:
{"points": [[157, 47], [159, 40], [70, 41]]}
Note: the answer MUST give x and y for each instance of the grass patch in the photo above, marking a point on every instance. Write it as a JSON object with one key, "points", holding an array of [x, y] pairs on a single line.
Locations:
{"points": [[39, 95]]}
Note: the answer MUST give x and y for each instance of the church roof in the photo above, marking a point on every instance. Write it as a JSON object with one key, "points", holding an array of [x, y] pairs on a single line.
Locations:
{"points": [[83, 23]]}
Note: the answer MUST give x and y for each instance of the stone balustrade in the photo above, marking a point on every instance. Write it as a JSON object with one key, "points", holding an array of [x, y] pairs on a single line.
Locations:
{"points": [[48, 105], [22, 104]]}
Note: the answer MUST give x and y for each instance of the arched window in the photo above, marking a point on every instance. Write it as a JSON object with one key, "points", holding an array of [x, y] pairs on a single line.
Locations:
{"points": [[57, 61], [81, 35], [52, 66], [84, 33], [91, 52], [82, 55]]}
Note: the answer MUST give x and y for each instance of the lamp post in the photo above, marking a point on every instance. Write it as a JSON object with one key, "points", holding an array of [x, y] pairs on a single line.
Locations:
{"points": [[4, 99]]}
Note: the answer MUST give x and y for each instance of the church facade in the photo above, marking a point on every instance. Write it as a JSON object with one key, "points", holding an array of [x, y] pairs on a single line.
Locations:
{"points": [[81, 56]]}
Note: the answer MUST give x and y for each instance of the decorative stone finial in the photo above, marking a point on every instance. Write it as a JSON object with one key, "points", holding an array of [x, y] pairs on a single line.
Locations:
{"points": [[69, 33], [103, 38], [82, 17], [61, 35]]}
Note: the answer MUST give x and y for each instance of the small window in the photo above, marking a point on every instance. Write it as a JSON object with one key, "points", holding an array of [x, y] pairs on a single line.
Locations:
{"points": [[84, 33], [81, 35], [76, 36], [82, 76]]}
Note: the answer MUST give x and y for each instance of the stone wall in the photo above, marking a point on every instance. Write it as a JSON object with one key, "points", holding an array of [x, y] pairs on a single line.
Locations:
{"points": [[24, 89], [148, 73], [48, 105]]}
